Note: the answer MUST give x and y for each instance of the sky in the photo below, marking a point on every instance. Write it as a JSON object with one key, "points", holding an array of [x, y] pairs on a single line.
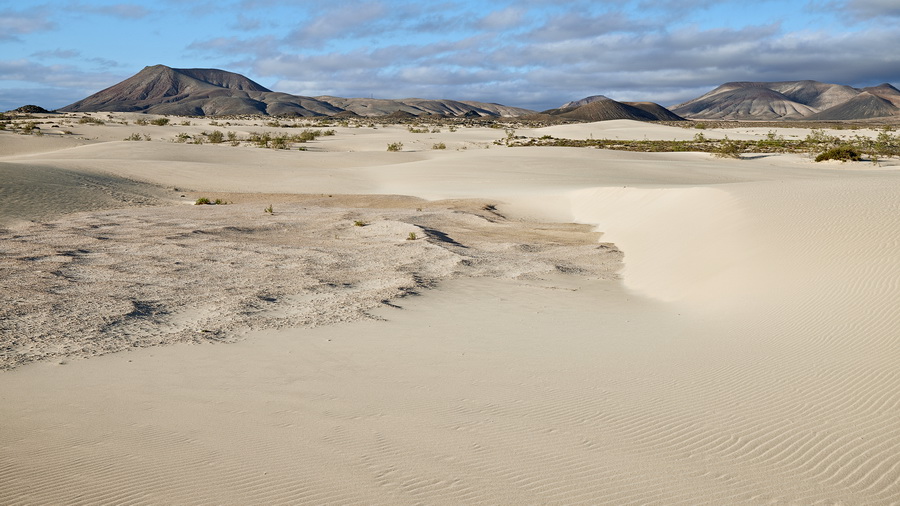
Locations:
{"points": [[536, 54]]}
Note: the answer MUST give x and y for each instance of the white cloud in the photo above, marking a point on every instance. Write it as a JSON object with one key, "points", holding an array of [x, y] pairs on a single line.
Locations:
{"points": [[35, 19]]}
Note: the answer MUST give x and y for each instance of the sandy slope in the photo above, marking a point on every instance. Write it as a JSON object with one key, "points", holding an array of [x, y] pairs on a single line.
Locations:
{"points": [[747, 355]]}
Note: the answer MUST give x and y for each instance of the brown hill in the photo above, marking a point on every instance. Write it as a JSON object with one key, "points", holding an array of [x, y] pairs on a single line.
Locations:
{"points": [[584, 101], [604, 109], [885, 91], [787, 100], [863, 106], [658, 111], [743, 101], [196, 92]]}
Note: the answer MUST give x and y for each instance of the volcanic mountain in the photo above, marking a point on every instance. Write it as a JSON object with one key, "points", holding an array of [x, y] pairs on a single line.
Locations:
{"points": [[792, 100], [600, 108], [210, 92]]}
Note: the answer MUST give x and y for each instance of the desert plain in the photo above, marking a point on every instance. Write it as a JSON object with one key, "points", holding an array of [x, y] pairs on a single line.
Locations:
{"points": [[478, 324]]}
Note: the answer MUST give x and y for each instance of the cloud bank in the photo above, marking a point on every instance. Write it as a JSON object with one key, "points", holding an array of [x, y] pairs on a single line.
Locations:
{"points": [[532, 53]]}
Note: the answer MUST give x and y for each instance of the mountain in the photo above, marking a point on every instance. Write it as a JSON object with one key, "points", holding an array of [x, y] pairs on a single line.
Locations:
{"points": [[583, 101], [600, 108], [863, 106], [657, 111], [196, 92], [419, 106], [211, 92], [792, 100], [885, 91]]}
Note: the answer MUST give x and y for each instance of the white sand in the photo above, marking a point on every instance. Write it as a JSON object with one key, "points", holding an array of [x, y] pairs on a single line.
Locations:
{"points": [[748, 354]]}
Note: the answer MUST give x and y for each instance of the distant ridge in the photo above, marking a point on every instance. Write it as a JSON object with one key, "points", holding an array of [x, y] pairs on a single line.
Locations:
{"points": [[211, 92], [792, 100]]}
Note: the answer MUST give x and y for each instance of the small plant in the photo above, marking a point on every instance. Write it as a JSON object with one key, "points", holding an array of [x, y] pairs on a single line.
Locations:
{"points": [[269, 209], [439, 145], [843, 153], [232, 138], [727, 149], [141, 121], [182, 138], [700, 126], [412, 236], [359, 223], [280, 142], [188, 123], [160, 121], [137, 137], [88, 119], [395, 146], [215, 137], [206, 201]]}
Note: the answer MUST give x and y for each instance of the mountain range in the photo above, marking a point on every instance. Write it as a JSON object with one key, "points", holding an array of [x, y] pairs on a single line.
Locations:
{"points": [[793, 100], [211, 92]]}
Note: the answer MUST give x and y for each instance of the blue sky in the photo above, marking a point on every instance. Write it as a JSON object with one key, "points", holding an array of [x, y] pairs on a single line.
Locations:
{"points": [[528, 53]]}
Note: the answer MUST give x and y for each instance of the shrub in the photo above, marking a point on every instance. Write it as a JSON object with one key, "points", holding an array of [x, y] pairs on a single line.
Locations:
{"points": [[137, 137], [202, 201], [359, 223], [395, 146], [142, 122], [412, 236], [280, 142], [160, 122], [843, 153], [269, 209], [88, 119], [727, 149], [439, 145], [182, 137], [215, 137]]}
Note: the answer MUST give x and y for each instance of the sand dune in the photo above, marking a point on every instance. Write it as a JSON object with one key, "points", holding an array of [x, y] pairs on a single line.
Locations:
{"points": [[745, 351]]}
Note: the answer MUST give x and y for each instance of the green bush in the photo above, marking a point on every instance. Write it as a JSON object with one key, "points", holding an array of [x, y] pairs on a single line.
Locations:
{"points": [[395, 146], [439, 145], [88, 119], [160, 122], [727, 149], [215, 137], [843, 153]]}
